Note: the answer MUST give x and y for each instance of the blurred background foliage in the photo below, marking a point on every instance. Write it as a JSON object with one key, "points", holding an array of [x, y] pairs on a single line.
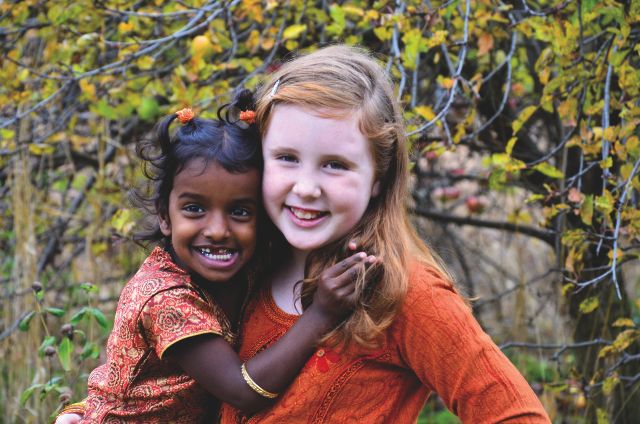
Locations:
{"points": [[523, 120]]}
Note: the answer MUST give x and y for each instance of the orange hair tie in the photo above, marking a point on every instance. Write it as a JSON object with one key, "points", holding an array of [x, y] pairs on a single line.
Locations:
{"points": [[248, 116], [185, 115]]}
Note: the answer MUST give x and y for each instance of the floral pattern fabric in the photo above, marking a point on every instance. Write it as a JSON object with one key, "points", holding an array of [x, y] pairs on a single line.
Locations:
{"points": [[158, 307], [434, 344]]}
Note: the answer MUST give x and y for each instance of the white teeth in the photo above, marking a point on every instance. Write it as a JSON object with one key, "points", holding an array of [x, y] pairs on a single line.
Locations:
{"points": [[221, 255], [305, 214]]}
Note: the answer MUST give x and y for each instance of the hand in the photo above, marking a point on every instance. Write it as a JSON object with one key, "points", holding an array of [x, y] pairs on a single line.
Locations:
{"points": [[336, 291], [68, 419]]}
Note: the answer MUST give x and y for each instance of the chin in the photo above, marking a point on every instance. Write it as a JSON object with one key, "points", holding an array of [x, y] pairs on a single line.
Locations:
{"points": [[303, 243]]}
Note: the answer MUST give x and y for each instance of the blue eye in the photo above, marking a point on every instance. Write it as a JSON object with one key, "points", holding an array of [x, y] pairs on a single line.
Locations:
{"points": [[286, 158], [334, 164]]}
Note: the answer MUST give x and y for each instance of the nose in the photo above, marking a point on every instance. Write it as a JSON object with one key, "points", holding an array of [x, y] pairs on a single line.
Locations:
{"points": [[307, 188], [216, 228]]}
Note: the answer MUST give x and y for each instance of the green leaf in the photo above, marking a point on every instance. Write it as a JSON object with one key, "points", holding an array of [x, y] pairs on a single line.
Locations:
{"points": [[48, 341], [148, 109], [548, 170], [78, 316], [64, 352], [55, 311], [586, 210], [589, 305], [99, 316], [90, 350], [103, 109], [23, 325], [338, 17], [26, 395]]}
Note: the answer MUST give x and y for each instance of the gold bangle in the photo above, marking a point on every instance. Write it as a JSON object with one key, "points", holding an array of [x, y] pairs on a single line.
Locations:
{"points": [[259, 390], [77, 408]]}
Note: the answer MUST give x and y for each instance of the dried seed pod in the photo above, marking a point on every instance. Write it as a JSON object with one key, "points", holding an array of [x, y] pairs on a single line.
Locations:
{"points": [[36, 286]]}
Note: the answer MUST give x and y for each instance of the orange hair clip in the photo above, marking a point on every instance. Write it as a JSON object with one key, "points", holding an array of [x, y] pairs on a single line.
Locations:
{"points": [[185, 115], [248, 116]]}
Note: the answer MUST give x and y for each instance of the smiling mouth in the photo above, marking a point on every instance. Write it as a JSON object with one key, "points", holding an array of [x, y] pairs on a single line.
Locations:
{"points": [[306, 214], [216, 254]]}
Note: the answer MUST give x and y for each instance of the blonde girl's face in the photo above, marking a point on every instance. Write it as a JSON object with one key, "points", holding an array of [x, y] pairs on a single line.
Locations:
{"points": [[319, 176]]}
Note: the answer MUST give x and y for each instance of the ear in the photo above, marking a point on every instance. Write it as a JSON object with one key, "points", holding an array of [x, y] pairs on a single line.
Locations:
{"points": [[165, 225], [375, 190]]}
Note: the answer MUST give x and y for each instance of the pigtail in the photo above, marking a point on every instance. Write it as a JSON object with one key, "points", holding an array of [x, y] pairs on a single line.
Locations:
{"points": [[241, 110], [163, 136]]}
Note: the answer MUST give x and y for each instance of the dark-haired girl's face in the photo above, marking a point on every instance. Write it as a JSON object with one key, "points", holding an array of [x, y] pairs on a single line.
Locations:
{"points": [[212, 219]]}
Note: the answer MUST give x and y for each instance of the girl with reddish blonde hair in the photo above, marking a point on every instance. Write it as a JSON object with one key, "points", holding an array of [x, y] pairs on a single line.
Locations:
{"points": [[336, 170]]}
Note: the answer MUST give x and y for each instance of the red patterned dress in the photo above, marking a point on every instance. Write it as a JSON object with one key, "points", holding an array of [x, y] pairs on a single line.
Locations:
{"points": [[158, 307]]}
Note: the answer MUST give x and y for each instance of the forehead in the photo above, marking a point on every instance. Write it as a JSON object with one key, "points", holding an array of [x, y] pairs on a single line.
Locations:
{"points": [[332, 129], [211, 178]]}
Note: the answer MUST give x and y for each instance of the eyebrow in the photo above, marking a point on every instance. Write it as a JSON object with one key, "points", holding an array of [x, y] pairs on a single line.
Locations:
{"points": [[197, 196]]}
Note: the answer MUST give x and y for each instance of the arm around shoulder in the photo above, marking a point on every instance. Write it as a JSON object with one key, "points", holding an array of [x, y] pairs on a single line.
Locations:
{"points": [[443, 344]]}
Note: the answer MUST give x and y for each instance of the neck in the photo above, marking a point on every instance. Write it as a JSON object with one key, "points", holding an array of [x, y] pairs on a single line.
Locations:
{"points": [[284, 289]]}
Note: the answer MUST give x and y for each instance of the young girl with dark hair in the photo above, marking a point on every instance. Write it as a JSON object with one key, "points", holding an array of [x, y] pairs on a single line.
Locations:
{"points": [[170, 356]]}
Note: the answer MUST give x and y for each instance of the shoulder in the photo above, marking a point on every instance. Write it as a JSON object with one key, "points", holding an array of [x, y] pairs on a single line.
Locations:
{"points": [[428, 283], [431, 296], [158, 273]]}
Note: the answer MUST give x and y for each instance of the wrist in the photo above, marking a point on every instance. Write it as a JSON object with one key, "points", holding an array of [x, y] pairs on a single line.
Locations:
{"points": [[321, 319]]}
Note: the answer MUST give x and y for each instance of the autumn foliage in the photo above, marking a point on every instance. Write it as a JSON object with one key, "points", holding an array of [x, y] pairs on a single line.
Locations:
{"points": [[524, 120]]}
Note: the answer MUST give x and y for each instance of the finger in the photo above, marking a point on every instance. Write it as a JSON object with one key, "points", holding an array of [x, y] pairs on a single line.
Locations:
{"points": [[339, 268], [353, 245], [349, 276], [346, 294]]}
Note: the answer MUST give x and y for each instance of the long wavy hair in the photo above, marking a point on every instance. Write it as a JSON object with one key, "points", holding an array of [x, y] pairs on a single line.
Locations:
{"points": [[339, 81]]}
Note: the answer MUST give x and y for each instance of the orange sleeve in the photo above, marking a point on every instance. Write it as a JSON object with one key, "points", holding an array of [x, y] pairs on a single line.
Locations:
{"points": [[177, 314], [440, 340]]}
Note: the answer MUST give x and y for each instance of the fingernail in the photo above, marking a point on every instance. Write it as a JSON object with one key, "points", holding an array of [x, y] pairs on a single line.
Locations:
{"points": [[362, 255], [371, 259]]}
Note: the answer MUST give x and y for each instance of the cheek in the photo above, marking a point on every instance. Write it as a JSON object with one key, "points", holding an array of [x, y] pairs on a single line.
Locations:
{"points": [[247, 234], [273, 185]]}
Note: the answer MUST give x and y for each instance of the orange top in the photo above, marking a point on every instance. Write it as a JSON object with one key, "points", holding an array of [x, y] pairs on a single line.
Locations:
{"points": [[158, 307], [434, 344]]}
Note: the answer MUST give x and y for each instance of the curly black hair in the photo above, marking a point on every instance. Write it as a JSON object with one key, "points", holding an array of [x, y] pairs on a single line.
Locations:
{"points": [[234, 146]]}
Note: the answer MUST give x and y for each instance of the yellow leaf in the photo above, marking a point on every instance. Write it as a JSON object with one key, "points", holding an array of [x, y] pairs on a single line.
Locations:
{"points": [[294, 31], [624, 322], [589, 305], [41, 149], [88, 89], [548, 170], [124, 27], [437, 38], [609, 384], [625, 339], [426, 112], [447, 83], [510, 144], [523, 117], [353, 12]]}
